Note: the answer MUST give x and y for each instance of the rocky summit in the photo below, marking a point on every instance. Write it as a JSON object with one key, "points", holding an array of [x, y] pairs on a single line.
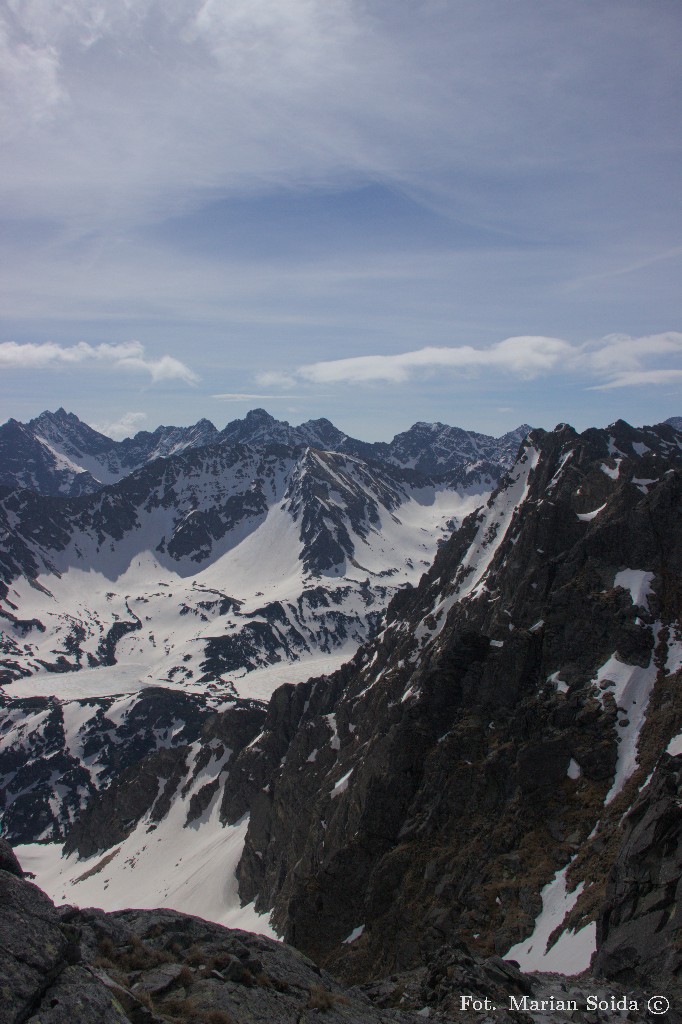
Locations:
{"points": [[478, 801]]}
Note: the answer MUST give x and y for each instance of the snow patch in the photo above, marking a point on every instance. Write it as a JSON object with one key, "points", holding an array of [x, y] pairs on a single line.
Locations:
{"points": [[631, 691], [572, 952], [334, 742], [638, 582], [585, 517], [355, 934], [342, 785], [560, 685], [675, 746], [613, 472]]}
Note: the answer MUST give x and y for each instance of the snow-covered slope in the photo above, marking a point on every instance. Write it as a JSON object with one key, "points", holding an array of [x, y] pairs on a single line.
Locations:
{"points": [[202, 568], [182, 862]]}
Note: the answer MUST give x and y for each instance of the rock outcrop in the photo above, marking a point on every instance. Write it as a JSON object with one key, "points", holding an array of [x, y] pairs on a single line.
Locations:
{"points": [[151, 967], [56, 755]]}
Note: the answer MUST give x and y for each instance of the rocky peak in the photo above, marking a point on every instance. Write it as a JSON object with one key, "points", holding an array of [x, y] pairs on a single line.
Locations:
{"points": [[322, 433], [261, 416]]}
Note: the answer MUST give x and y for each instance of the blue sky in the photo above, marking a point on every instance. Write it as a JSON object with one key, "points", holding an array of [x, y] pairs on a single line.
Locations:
{"points": [[379, 212]]}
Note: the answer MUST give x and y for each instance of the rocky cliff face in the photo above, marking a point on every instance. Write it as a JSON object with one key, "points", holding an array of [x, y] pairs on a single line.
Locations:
{"points": [[639, 931], [495, 729], [150, 967]]}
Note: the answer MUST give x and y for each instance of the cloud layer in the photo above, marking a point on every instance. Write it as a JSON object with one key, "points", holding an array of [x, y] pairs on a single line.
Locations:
{"points": [[615, 361], [124, 110], [126, 356]]}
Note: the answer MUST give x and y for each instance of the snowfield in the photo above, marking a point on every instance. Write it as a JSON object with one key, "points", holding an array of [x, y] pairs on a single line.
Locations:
{"points": [[190, 868], [253, 601]]}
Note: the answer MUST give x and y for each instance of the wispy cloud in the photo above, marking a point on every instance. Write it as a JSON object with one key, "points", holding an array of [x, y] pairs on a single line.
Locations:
{"points": [[128, 424], [118, 109], [641, 378], [182, 170], [125, 356], [628, 268], [616, 360]]}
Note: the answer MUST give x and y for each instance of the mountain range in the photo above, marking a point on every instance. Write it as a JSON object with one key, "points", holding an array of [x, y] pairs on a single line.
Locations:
{"points": [[488, 778], [228, 553], [56, 453]]}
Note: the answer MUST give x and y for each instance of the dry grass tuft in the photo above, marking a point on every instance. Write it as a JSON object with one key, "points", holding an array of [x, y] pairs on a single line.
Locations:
{"points": [[322, 999]]}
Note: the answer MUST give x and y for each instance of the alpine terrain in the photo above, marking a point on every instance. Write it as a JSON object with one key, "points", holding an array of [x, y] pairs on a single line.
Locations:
{"points": [[412, 708]]}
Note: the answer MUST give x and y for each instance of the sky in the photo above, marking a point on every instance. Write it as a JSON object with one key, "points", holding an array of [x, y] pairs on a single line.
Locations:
{"points": [[378, 211]]}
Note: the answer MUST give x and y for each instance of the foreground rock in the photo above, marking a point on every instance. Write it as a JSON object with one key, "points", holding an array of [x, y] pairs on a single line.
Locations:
{"points": [[146, 967], [72, 966]]}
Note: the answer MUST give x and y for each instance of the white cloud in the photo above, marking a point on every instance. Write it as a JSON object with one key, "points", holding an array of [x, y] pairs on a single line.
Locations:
{"points": [[126, 426], [127, 356], [616, 361], [618, 353], [165, 368], [526, 357]]}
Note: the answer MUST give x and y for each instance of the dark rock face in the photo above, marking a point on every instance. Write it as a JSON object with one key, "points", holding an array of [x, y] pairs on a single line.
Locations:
{"points": [[73, 966], [639, 932], [8, 860], [27, 463], [34, 950]]}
